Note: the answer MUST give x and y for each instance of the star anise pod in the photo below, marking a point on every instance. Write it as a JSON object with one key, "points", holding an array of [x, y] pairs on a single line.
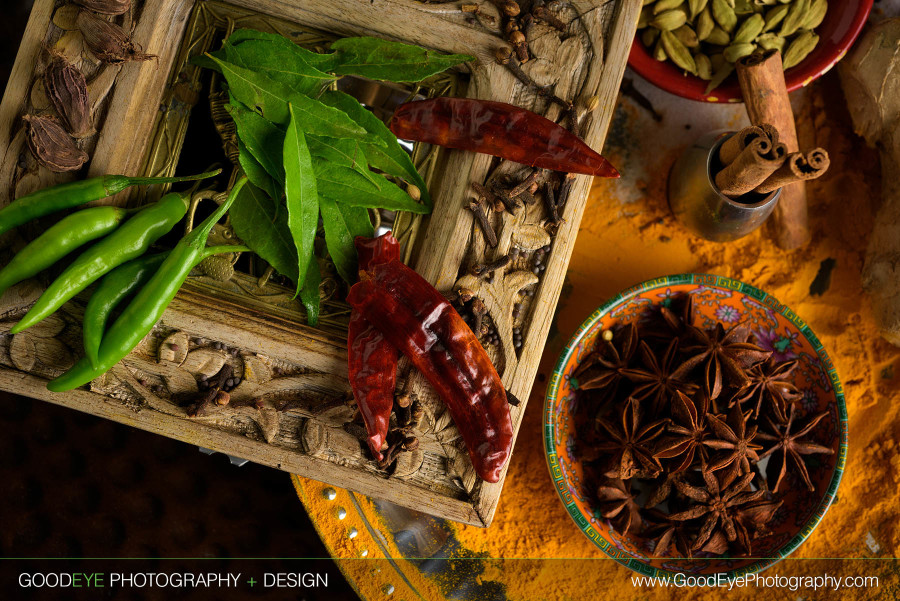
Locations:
{"points": [[668, 533], [685, 434], [656, 380], [789, 447], [751, 520], [735, 440], [663, 488], [716, 504], [602, 369], [617, 503], [724, 354], [769, 380], [631, 443], [670, 322]]}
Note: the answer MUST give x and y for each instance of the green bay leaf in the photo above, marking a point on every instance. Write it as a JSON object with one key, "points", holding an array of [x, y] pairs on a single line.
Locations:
{"points": [[348, 153], [261, 222], [300, 193], [393, 61], [309, 294], [342, 224], [352, 188], [255, 172], [279, 62], [264, 140], [318, 60]]}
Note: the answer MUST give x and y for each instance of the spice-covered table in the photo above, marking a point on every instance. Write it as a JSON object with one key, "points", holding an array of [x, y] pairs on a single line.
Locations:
{"points": [[629, 235]]}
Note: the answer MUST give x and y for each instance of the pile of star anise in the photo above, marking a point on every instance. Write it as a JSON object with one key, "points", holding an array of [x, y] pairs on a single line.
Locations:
{"points": [[675, 420]]}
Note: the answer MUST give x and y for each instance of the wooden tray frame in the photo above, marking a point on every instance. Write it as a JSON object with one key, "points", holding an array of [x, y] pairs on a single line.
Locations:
{"points": [[290, 370]]}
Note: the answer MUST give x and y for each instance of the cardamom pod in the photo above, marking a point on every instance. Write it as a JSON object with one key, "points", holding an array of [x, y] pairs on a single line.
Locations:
{"points": [[52, 146], [743, 7], [795, 17], [669, 19], [724, 15], [736, 51], [66, 88], [108, 41], [686, 36], [719, 76], [696, 7], [647, 2], [749, 29], [817, 10], [776, 15], [646, 15], [718, 36], [106, 7], [649, 36], [718, 61], [659, 53], [664, 5], [771, 41], [799, 48], [678, 52], [704, 66], [704, 24]]}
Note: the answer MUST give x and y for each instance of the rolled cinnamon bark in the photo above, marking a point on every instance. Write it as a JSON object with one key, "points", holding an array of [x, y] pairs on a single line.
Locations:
{"points": [[797, 167], [766, 99], [732, 147], [752, 167]]}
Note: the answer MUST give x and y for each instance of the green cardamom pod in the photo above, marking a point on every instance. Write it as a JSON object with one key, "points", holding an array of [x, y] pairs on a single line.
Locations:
{"points": [[678, 52], [650, 36], [687, 36], [736, 51], [648, 2], [718, 36], [704, 24], [659, 53], [799, 48], [771, 41], [761, 3], [776, 15], [795, 18], [644, 19], [669, 20], [697, 7], [718, 61], [724, 15], [749, 29], [704, 66], [664, 5], [817, 10], [719, 76], [744, 7]]}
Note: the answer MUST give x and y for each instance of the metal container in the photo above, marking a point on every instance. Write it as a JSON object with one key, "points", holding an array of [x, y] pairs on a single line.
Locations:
{"points": [[699, 204]]}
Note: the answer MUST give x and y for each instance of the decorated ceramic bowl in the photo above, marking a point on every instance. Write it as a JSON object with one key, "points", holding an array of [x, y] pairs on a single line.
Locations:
{"points": [[776, 328], [843, 22]]}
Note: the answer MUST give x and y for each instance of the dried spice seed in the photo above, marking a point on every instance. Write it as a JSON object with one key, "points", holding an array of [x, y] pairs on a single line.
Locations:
{"points": [[107, 41], [52, 146], [66, 88], [105, 7]]}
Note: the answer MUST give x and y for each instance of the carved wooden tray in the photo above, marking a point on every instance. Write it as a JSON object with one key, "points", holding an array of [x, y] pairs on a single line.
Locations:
{"points": [[283, 412]]}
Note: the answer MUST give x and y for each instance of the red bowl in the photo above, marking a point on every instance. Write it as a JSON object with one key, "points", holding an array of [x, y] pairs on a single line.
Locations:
{"points": [[843, 22]]}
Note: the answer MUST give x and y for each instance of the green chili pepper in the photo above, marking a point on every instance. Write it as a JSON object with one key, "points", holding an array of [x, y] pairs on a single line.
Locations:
{"points": [[73, 194], [58, 241], [149, 304], [129, 241], [115, 286]]}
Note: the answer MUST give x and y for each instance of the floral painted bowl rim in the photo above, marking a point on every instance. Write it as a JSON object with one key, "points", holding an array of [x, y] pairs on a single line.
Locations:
{"points": [[550, 401]]}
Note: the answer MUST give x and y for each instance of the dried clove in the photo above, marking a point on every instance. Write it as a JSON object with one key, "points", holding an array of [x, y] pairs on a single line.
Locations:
{"points": [[542, 13], [52, 146], [67, 90], [525, 184], [479, 309], [493, 199], [508, 7], [490, 236], [108, 41], [550, 202], [215, 391], [486, 268], [105, 7]]}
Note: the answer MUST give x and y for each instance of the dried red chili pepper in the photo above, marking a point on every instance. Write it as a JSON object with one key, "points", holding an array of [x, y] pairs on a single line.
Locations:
{"points": [[372, 359], [418, 320], [499, 129]]}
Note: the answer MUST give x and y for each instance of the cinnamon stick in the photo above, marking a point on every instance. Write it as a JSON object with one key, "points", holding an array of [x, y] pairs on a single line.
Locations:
{"points": [[797, 167], [761, 77], [732, 147], [755, 163]]}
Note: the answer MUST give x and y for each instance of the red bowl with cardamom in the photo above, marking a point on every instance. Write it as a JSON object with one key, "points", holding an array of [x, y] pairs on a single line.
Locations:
{"points": [[842, 24], [775, 327]]}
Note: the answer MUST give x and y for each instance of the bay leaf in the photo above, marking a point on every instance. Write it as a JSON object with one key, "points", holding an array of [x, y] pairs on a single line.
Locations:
{"points": [[309, 293], [270, 99], [264, 140], [348, 153], [280, 62], [381, 146], [352, 188], [318, 60], [393, 61], [342, 224], [300, 194], [255, 172], [261, 222]]}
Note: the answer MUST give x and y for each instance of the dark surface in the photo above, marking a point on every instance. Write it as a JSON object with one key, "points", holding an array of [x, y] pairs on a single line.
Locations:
{"points": [[74, 485]]}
